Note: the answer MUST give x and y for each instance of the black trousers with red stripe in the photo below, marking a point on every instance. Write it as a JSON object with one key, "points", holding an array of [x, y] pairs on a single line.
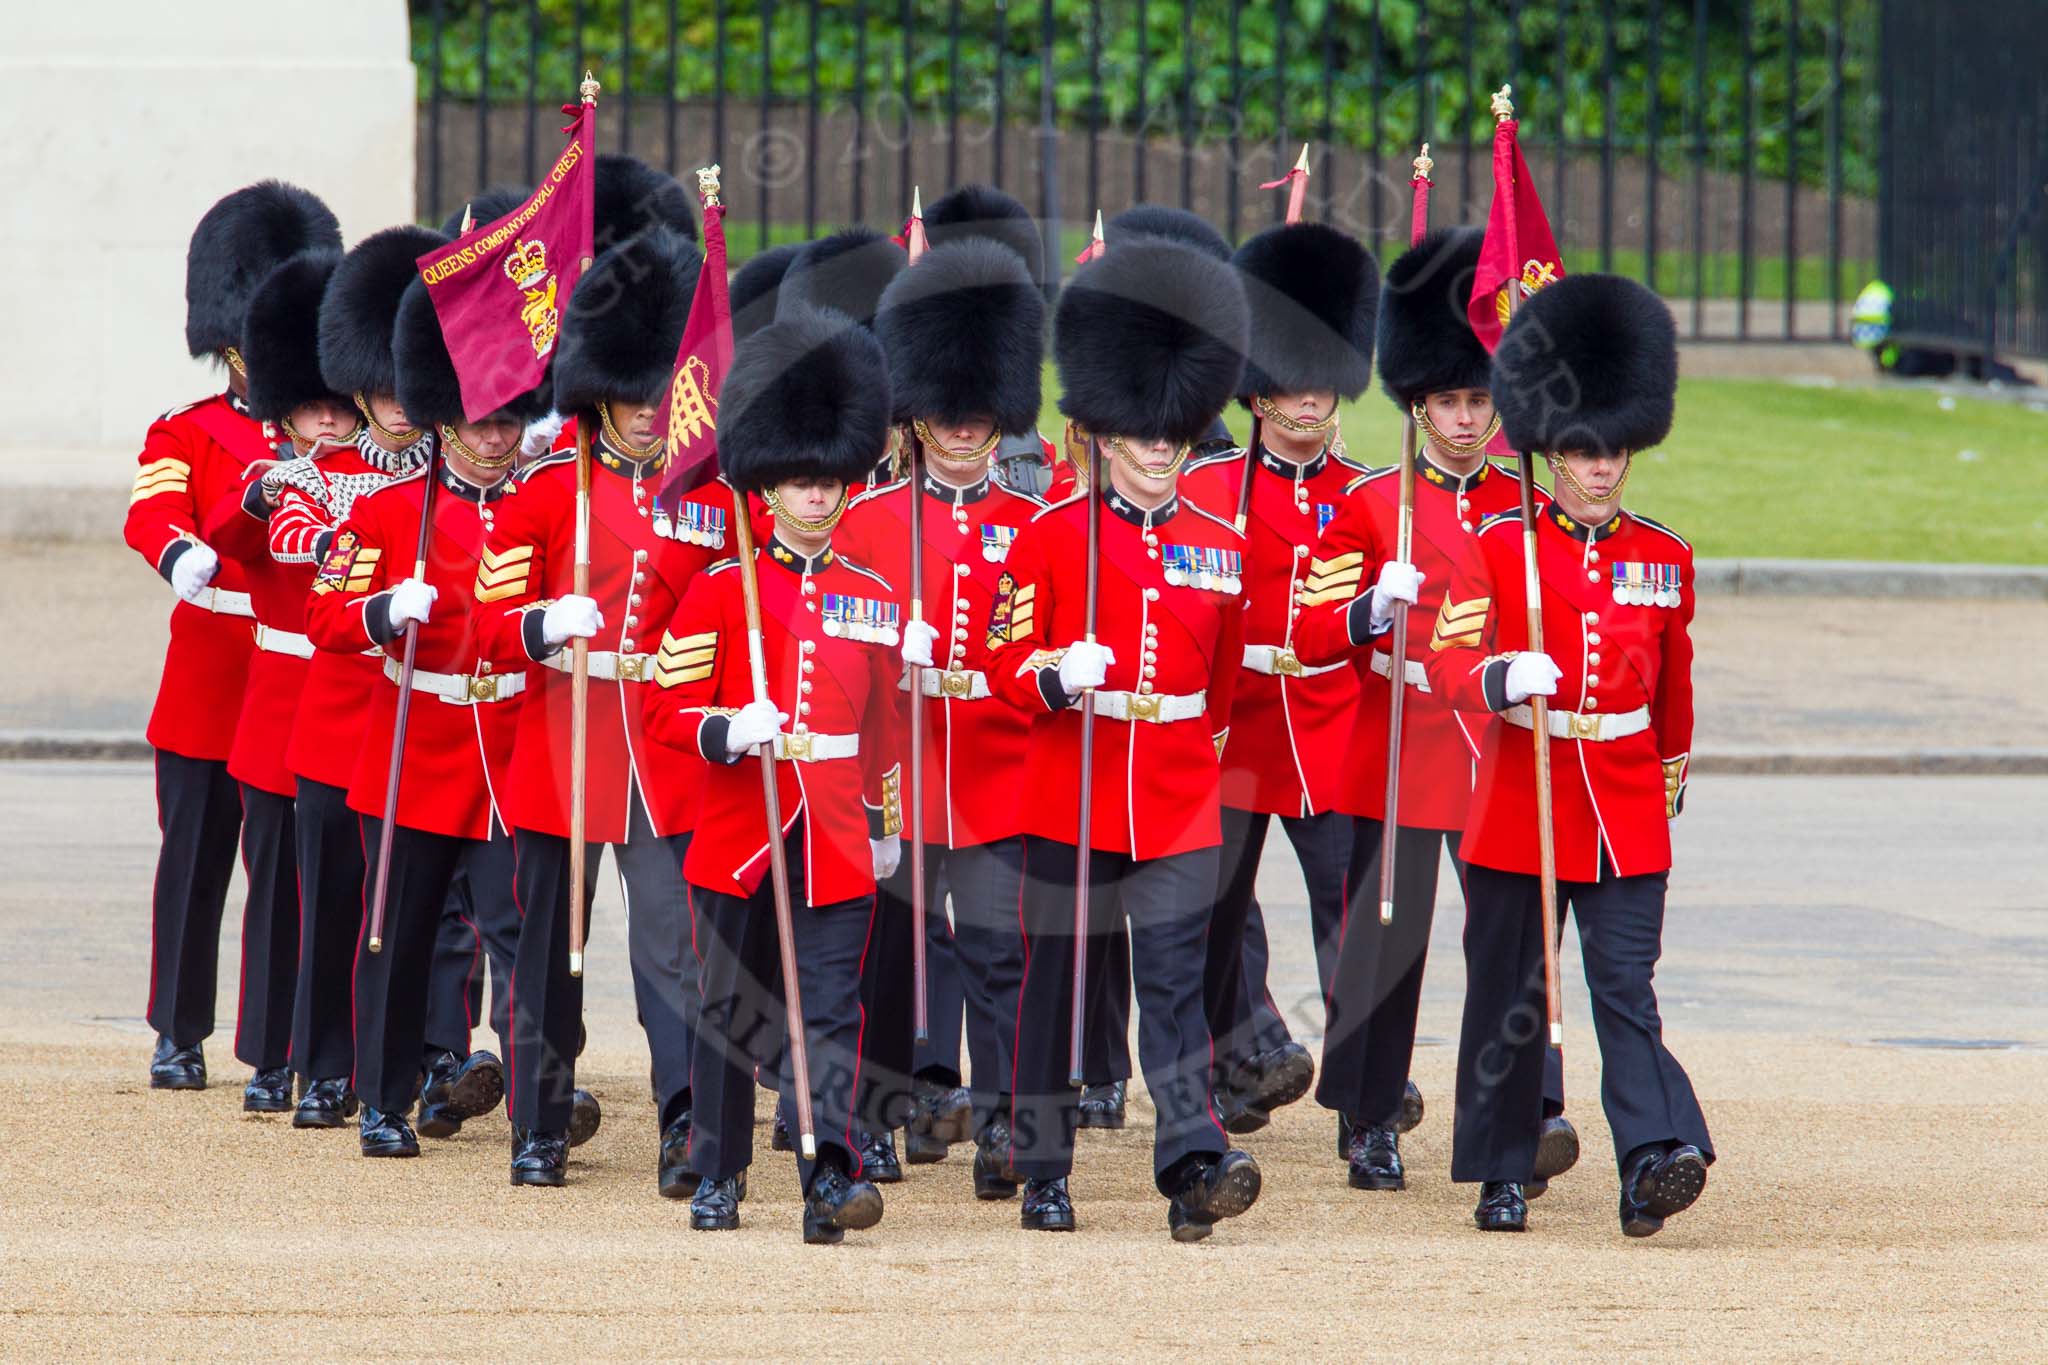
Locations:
{"points": [[1165, 903], [199, 812], [743, 1021], [270, 930]]}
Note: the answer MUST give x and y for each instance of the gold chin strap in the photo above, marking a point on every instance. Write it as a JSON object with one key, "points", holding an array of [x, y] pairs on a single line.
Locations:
{"points": [[1295, 425], [454, 443], [620, 443], [386, 437], [234, 359], [1563, 474], [1445, 443], [344, 439], [1138, 467], [939, 452], [809, 528]]}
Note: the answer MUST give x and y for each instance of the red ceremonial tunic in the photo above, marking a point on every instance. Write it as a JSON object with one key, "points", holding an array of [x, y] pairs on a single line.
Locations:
{"points": [[457, 752], [1624, 661], [238, 528], [1439, 746], [1279, 693], [193, 457], [829, 642], [974, 743], [1170, 608]]}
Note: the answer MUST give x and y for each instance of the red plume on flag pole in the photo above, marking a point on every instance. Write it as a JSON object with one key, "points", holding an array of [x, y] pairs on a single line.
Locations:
{"points": [[1296, 181], [687, 424], [1518, 253], [1096, 246], [500, 289], [914, 241]]}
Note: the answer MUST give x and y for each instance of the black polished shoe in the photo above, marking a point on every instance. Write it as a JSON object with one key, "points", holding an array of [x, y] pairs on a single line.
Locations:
{"points": [[584, 1117], [922, 1149], [1376, 1160], [1284, 1075], [837, 1205], [1411, 1109], [672, 1168], [1047, 1206], [715, 1207], [538, 1157], [383, 1134], [1501, 1208], [944, 1113], [1557, 1148], [268, 1092], [327, 1103], [177, 1068], [1236, 1111], [1102, 1106], [1657, 1185], [458, 1090], [878, 1158], [779, 1139], [1211, 1192], [994, 1175], [436, 1120]]}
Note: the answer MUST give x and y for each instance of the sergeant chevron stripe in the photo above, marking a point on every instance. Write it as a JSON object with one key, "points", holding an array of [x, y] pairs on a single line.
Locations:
{"points": [[686, 660], [1459, 625], [499, 576], [1332, 580]]}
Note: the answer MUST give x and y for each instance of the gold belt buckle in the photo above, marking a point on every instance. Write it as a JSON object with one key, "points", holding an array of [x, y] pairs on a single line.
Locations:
{"points": [[483, 689], [956, 684], [631, 667], [1583, 725], [1144, 706], [1286, 664], [797, 747]]}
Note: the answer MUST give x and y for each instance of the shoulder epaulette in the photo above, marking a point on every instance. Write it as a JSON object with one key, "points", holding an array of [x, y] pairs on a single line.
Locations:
{"points": [[863, 570], [874, 491], [1363, 479], [1513, 514], [1226, 525], [1218, 457], [996, 477], [169, 413], [1051, 507], [1349, 463], [1503, 467], [1660, 526], [551, 460], [721, 565]]}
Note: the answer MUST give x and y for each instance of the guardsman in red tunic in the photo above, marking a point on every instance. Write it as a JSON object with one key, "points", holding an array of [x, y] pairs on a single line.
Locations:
{"points": [[964, 332], [192, 458], [1312, 290], [618, 347], [1587, 373], [314, 497], [804, 409], [280, 352], [1436, 371], [460, 721], [1150, 345]]}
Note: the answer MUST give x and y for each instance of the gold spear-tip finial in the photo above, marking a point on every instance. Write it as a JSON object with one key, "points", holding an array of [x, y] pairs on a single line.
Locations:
{"points": [[916, 202], [589, 88], [1503, 106], [707, 184], [468, 220], [1302, 164], [1424, 164], [1098, 225]]}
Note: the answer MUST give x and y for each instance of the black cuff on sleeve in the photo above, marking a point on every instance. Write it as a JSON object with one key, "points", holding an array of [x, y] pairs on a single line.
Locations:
{"points": [[530, 635], [1358, 620], [878, 823], [322, 543], [377, 619], [1056, 697], [253, 503], [1495, 683], [711, 740], [171, 553]]}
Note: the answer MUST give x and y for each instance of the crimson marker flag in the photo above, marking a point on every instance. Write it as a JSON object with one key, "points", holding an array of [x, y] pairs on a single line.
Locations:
{"points": [[1519, 253], [687, 424], [500, 289]]}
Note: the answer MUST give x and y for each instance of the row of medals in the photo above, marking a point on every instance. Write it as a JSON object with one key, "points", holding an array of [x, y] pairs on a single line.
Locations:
{"points": [[1646, 585]]}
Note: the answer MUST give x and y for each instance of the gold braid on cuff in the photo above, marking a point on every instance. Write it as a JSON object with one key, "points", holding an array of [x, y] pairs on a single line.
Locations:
{"points": [[1295, 425], [454, 443], [1445, 443], [809, 528]]}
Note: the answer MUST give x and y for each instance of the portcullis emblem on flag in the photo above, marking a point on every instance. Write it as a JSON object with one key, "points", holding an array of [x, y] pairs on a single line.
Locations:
{"points": [[687, 424]]}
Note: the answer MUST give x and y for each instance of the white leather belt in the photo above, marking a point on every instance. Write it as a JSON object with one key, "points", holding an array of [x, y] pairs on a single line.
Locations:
{"points": [[1151, 706], [273, 641], [605, 665], [958, 684], [1280, 661], [810, 747], [221, 602], [1596, 726], [1415, 673], [461, 689]]}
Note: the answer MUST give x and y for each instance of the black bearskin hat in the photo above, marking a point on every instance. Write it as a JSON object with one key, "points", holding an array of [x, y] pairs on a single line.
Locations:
{"points": [[281, 336], [846, 271], [487, 207], [984, 211], [1176, 225], [625, 321], [240, 240], [1589, 363], [1426, 342], [1150, 341], [361, 305], [807, 397], [754, 287], [629, 195], [1313, 292], [964, 330], [427, 387]]}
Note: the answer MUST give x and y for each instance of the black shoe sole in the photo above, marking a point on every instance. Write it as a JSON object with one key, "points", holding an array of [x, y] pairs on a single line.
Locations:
{"points": [[267, 1104], [542, 1180], [1107, 1121], [1189, 1230], [1375, 1180], [1535, 1190], [177, 1082], [1063, 1222], [994, 1187], [716, 1222], [437, 1123], [678, 1183], [1410, 1117], [584, 1121], [1242, 1121], [881, 1175], [861, 1211], [1486, 1225], [1557, 1151], [921, 1149], [1675, 1189], [319, 1118], [391, 1149], [476, 1092], [957, 1126], [823, 1234], [1288, 1084], [1235, 1193]]}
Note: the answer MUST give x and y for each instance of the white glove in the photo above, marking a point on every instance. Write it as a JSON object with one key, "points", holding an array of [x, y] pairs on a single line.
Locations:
{"points": [[1531, 675], [888, 856], [1398, 583], [918, 639], [194, 570], [411, 600], [1084, 666], [757, 722], [570, 617]]}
